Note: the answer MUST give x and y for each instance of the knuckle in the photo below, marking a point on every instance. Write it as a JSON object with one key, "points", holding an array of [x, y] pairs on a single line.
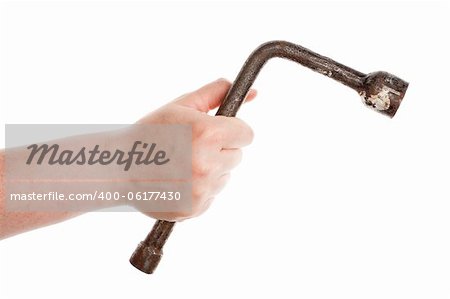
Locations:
{"points": [[199, 128], [226, 177], [200, 169], [202, 207], [199, 192], [198, 135], [210, 134], [197, 206], [247, 133], [206, 166]]}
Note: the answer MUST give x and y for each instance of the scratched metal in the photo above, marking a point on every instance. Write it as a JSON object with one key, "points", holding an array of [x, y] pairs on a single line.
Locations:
{"points": [[379, 90], [147, 255]]}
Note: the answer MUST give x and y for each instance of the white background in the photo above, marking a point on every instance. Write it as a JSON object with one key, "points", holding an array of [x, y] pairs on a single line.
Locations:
{"points": [[332, 200]]}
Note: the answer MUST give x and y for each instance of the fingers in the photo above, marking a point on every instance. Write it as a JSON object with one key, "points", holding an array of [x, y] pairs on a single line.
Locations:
{"points": [[233, 132], [210, 96], [207, 97], [252, 93], [230, 158], [216, 186], [216, 143]]}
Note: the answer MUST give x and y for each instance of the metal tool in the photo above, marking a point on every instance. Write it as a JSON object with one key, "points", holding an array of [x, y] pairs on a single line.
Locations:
{"points": [[379, 90]]}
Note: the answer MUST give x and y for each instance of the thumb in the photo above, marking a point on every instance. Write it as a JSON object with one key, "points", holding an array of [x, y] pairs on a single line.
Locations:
{"points": [[207, 97]]}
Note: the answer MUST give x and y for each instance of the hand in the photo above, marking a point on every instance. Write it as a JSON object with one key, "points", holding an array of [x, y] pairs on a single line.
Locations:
{"points": [[216, 142]]}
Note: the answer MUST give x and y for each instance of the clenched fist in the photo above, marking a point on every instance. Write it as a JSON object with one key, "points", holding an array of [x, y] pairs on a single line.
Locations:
{"points": [[216, 142], [216, 150]]}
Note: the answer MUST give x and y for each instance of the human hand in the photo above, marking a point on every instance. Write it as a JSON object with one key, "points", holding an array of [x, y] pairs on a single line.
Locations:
{"points": [[216, 142]]}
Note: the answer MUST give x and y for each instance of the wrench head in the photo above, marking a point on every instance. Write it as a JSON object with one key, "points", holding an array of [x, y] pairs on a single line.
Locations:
{"points": [[383, 92]]}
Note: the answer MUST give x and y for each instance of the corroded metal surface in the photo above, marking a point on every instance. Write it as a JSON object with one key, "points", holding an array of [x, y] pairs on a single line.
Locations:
{"points": [[371, 87], [147, 255], [380, 90]]}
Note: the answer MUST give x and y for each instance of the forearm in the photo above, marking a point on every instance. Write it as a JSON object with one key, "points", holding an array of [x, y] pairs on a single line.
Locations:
{"points": [[12, 223], [74, 175], [201, 159], [32, 215]]}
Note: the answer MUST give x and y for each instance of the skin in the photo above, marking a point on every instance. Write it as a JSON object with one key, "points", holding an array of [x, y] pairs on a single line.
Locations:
{"points": [[217, 143]]}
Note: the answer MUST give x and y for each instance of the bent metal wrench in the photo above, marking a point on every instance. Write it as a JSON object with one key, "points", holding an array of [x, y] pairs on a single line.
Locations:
{"points": [[379, 90]]}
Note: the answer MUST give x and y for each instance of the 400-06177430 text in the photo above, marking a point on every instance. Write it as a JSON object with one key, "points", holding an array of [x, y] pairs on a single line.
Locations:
{"points": [[98, 195]]}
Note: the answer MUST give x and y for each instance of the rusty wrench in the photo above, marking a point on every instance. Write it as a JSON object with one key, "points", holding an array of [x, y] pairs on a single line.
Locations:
{"points": [[380, 90]]}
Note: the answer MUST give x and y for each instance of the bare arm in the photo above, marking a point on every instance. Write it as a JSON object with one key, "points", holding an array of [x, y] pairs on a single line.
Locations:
{"points": [[12, 223], [216, 149]]}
